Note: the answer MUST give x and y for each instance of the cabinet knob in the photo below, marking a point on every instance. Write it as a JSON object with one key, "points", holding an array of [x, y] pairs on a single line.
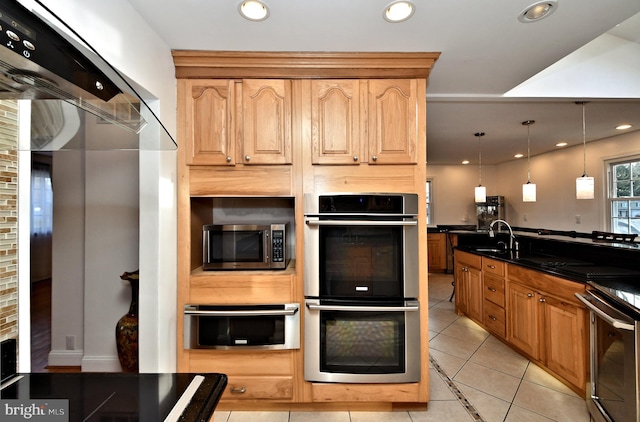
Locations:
{"points": [[493, 267], [238, 390], [374, 158], [529, 294], [542, 299], [228, 158], [491, 289], [247, 158], [355, 158], [465, 269]]}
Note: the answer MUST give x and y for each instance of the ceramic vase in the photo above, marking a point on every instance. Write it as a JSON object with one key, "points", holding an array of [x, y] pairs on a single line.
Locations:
{"points": [[127, 328]]}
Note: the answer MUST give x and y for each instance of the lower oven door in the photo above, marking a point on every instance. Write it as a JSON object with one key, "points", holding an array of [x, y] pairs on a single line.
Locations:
{"points": [[242, 326], [361, 343], [612, 392]]}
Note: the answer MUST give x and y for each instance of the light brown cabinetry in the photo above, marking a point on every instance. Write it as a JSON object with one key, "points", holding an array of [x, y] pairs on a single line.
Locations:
{"points": [[364, 121], [493, 282], [261, 124], [468, 279], [209, 121], [547, 323], [437, 251], [251, 117]]}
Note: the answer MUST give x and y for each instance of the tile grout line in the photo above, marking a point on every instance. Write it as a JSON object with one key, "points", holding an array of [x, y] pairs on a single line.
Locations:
{"points": [[456, 391]]}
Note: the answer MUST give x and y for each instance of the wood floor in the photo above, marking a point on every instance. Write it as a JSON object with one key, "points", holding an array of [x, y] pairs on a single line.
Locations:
{"points": [[41, 329]]}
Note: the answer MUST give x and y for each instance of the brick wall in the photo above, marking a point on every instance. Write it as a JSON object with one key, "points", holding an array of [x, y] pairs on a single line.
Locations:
{"points": [[8, 219]]}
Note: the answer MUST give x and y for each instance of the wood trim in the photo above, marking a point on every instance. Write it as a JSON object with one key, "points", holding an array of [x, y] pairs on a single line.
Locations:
{"points": [[197, 64]]}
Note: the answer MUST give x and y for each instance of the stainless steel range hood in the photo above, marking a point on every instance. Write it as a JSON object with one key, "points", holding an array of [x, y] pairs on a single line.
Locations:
{"points": [[50, 68]]}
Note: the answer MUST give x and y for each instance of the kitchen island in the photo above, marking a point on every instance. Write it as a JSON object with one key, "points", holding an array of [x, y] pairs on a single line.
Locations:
{"points": [[526, 297]]}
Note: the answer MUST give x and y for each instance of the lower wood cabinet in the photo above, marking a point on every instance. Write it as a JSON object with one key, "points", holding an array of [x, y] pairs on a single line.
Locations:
{"points": [[548, 324], [468, 279], [259, 387], [437, 252]]}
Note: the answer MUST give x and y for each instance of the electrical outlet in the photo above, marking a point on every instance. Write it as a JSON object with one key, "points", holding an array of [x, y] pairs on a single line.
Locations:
{"points": [[525, 217], [578, 219], [71, 342]]}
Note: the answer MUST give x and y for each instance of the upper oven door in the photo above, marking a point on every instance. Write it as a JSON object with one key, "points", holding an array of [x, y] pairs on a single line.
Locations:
{"points": [[361, 255]]}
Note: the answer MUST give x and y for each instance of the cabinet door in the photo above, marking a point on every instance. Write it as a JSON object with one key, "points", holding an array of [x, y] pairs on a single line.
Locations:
{"points": [[461, 286], [336, 129], [393, 121], [266, 121], [522, 319], [209, 123], [436, 252], [565, 333], [476, 298]]}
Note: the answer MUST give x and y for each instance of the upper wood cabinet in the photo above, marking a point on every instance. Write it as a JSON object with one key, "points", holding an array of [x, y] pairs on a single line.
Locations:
{"points": [[365, 121], [337, 125], [393, 115], [209, 109], [252, 118], [266, 121]]}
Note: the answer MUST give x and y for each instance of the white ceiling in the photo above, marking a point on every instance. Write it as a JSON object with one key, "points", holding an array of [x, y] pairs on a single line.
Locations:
{"points": [[485, 79]]}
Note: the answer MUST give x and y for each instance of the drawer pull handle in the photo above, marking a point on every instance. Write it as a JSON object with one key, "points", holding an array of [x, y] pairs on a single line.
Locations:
{"points": [[493, 318], [238, 390], [491, 289], [493, 267]]}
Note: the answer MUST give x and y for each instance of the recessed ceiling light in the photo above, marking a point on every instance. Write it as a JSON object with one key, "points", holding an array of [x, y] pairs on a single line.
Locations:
{"points": [[623, 127], [253, 10], [398, 11], [537, 11], [561, 144], [518, 155], [465, 162]]}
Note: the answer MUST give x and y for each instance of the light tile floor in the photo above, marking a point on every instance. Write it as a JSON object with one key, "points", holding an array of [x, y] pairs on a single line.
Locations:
{"points": [[473, 377]]}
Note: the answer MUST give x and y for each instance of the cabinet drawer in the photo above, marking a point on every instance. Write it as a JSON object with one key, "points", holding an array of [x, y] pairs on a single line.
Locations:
{"points": [[494, 318], [493, 266], [260, 387], [494, 289], [467, 259]]}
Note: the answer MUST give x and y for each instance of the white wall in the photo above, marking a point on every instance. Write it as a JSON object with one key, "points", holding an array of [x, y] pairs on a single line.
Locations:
{"points": [[124, 39], [553, 173], [453, 189]]}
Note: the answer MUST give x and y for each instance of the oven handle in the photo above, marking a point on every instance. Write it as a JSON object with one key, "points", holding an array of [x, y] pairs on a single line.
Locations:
{"points": [[285, 312], [360, 223], [363, 308], [615, 322]]}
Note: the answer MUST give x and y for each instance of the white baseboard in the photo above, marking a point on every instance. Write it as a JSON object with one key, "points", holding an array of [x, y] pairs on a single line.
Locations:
{"points": [[101, 364], [66, 357]]}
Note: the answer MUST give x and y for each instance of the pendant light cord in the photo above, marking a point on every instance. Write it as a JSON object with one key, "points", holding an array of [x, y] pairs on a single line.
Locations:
{"points": [[584, 142], [479, 135]]}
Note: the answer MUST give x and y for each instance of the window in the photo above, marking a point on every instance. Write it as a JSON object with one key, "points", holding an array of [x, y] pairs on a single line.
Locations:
{"points": [[429, 202], [624, 196], [41, 200]]}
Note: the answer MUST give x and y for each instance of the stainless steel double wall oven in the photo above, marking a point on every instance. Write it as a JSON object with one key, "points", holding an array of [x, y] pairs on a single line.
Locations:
{"points": [[362, 319]]}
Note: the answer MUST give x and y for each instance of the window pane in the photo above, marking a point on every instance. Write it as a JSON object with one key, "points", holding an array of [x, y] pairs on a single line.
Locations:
{"points": [[623, 171], [622, 188]]}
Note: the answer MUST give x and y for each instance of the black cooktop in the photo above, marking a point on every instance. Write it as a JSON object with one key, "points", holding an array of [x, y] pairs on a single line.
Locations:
{"points": [[119, 396]]}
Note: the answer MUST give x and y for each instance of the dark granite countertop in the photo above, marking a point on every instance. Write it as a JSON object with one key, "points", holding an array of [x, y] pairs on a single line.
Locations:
{"points": [[118, 396]]}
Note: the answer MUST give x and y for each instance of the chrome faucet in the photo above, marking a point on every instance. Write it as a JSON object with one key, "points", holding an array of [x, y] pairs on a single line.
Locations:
{"points": [[512, 239]]}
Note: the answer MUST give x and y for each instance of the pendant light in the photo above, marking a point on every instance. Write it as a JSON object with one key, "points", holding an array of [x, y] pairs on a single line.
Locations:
{"points": [[528, 189], [480, 191], [584, 183]]}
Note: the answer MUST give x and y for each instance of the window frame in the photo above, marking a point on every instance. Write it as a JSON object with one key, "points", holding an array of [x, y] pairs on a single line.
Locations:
{"points": [[429, 200], [611, 192]]}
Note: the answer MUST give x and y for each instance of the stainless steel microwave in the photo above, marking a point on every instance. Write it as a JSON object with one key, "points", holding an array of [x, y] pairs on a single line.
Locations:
{"points": [[245, 246]]}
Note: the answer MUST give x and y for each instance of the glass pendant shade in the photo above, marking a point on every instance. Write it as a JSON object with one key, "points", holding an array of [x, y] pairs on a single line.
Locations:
{"points": [[529, 192], [584, 187], [481, 194]]}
